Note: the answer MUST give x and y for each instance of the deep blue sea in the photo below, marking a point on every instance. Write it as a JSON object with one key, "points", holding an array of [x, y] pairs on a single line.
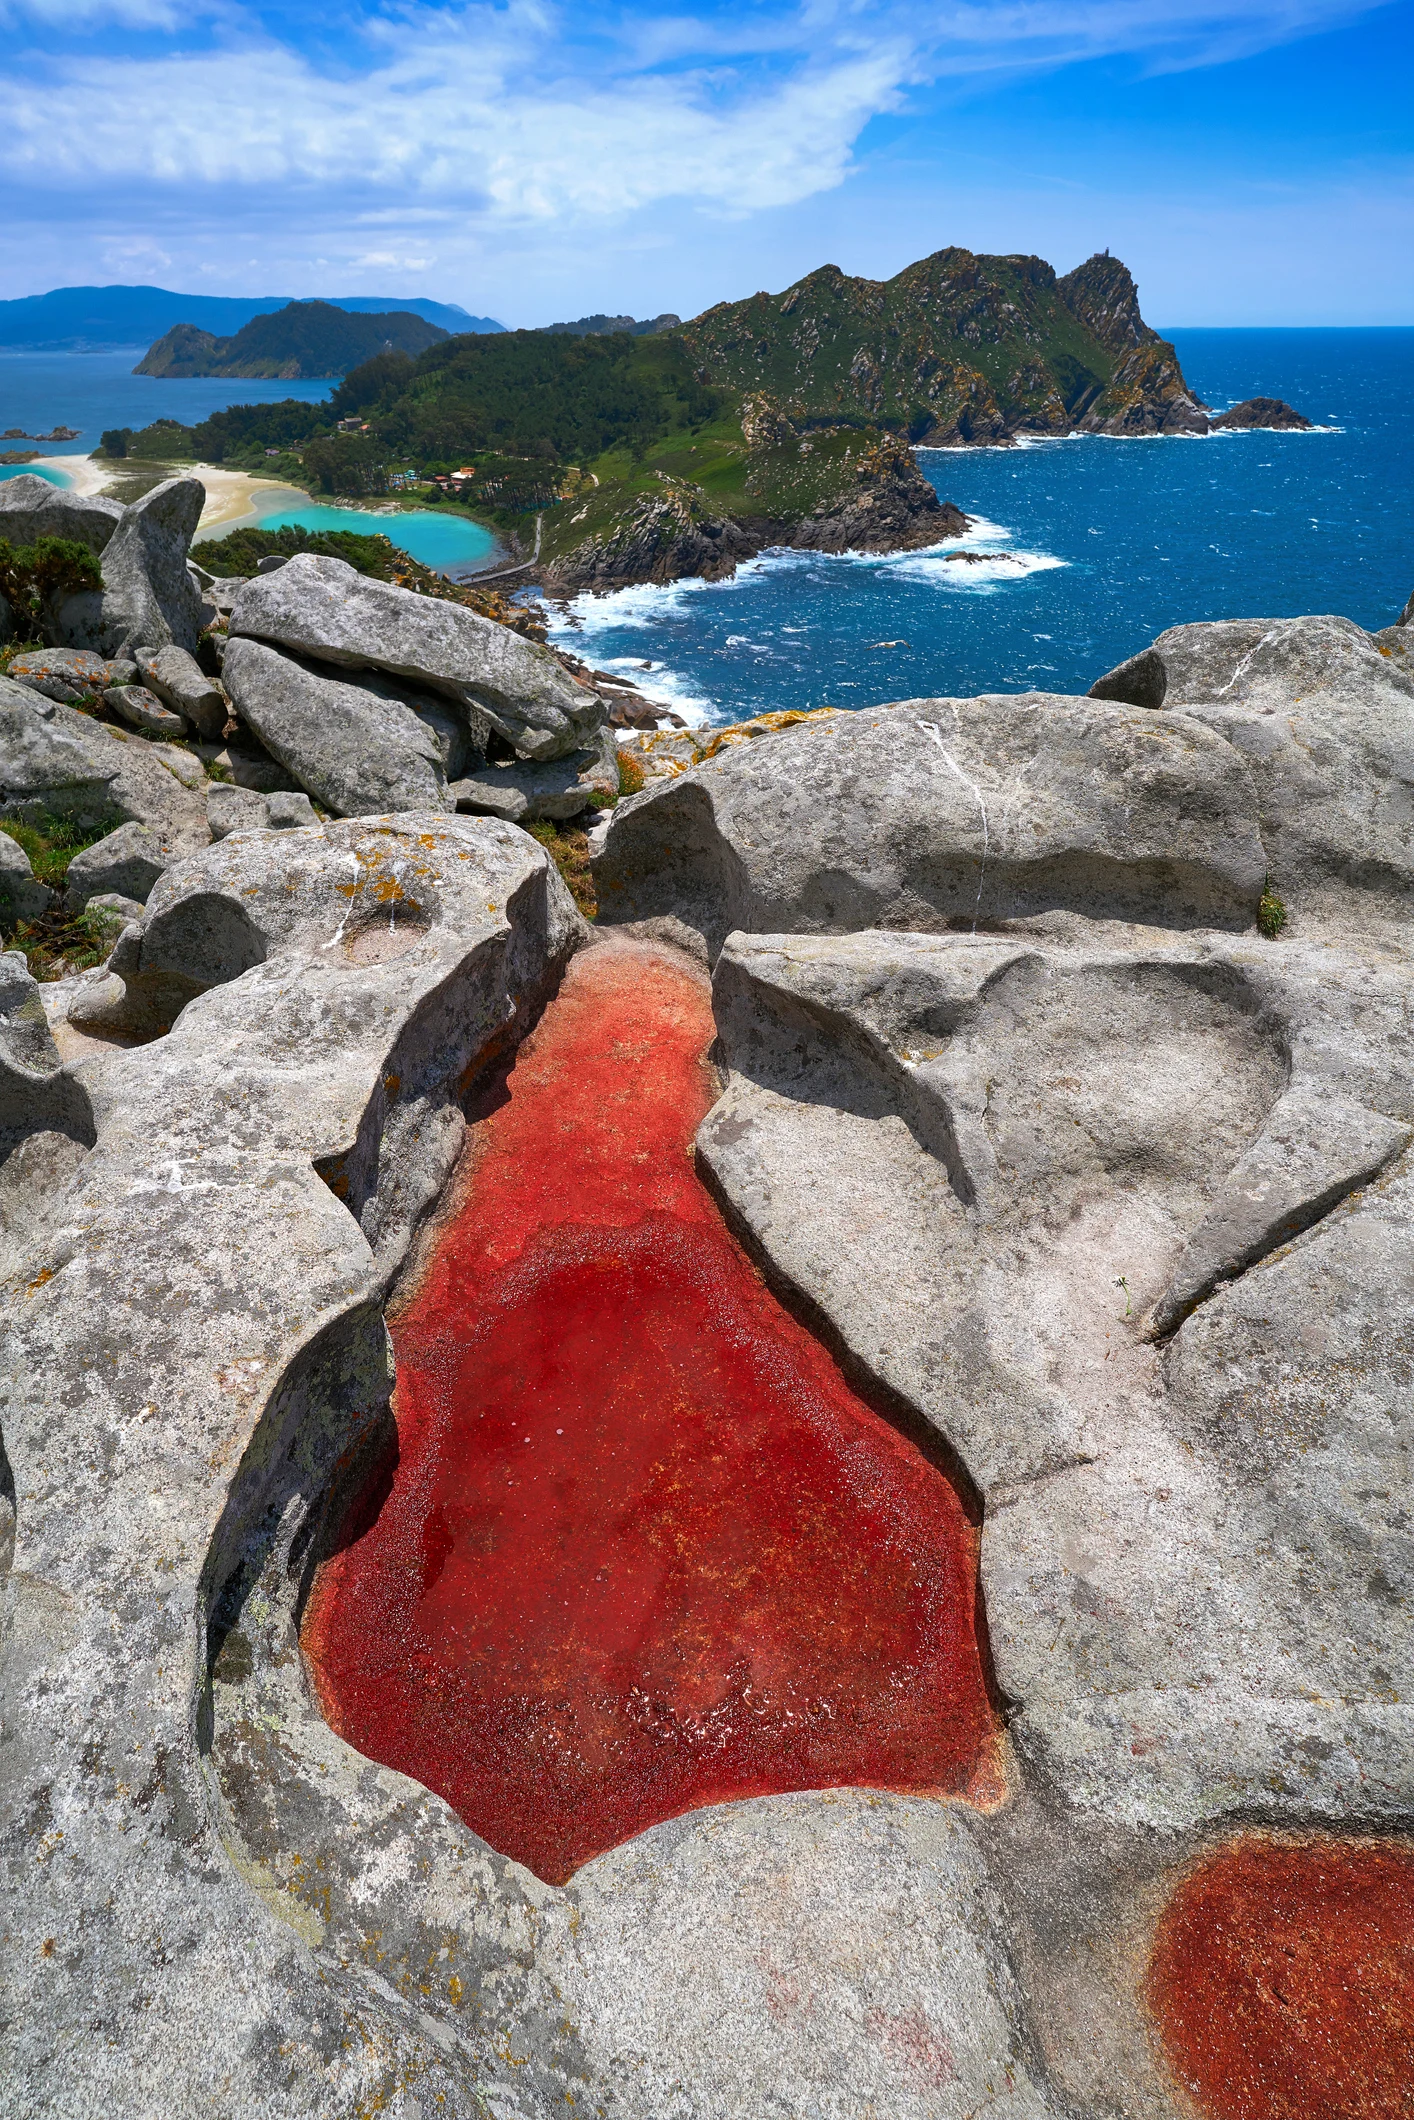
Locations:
{"points": [[91, 391], [1101, 544]]}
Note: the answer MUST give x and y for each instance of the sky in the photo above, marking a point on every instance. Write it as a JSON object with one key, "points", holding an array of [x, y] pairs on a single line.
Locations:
{"points": [[1252, 163]]}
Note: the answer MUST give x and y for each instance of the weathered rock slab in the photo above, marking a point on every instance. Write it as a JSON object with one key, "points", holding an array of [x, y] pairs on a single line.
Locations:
{"points": [[128, 861], [523, 793], [30, 507], [947, 813], [22, 895], [359, 752]]}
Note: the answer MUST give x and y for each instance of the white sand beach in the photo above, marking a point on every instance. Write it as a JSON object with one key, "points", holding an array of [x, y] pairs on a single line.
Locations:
{"points": [[231, 496]]}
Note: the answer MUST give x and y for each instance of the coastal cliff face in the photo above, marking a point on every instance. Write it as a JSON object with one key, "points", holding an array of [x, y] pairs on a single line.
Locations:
{"points": [[958, 349], [832, 490]]}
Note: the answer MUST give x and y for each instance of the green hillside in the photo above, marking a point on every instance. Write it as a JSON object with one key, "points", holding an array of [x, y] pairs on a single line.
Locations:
{"points": [[305, 339], [957, 348]]}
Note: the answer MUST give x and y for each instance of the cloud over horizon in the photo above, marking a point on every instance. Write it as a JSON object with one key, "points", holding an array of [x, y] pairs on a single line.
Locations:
{"points": [[412, 137]]}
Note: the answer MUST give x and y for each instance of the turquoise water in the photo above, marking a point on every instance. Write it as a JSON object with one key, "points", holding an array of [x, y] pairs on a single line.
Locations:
{"points": [[55, 478], [1093, 546], [436, 540], [91, 391]]}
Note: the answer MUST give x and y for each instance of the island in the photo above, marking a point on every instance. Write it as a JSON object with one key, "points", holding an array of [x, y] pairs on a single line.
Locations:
{"points": [[608, 451], [302, 341]]}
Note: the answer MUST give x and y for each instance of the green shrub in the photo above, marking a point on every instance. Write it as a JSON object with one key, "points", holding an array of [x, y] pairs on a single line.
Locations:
{"points": [[240, 551], [31, 575], [1271, 913]]}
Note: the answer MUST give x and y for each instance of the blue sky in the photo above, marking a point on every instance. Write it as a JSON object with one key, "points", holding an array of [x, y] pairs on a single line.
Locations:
{"points": [[1253, 164]]}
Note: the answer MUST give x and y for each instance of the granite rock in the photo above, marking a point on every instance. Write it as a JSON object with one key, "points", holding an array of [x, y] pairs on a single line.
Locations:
{"points": [[324, 609], [148, 600], [178, 679], [943, 813], [524, 793], [1325, 723], [302, 1114], [30, 507], [22, 895], [232, 809], [1127, 1220], [144, 711], [128, 861], [358, 751], [54, 760]]}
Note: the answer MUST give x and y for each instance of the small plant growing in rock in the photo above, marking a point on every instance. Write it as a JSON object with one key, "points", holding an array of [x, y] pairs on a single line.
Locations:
{"points": [[568, 847], [31, 576], [1271, 913], [631, 774]]}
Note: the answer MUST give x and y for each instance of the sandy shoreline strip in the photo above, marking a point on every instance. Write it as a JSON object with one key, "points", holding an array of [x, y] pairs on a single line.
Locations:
{"points": [[231, 496]]}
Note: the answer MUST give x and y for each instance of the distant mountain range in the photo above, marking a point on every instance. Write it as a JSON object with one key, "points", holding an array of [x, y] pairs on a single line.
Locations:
{"points": [[73, 319], [302, 341]]}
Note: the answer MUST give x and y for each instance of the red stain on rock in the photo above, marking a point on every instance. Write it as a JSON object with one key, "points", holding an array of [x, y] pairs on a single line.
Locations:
{"points": [[1282, 1980], [644, 1549]]}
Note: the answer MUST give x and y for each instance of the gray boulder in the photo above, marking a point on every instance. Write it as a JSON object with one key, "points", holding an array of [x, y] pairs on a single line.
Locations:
{"points": [[128, 861], [30, 507], [22, 895], [37, 1098], [289, 810], [179, 680], [143, 710], [359, 751], [185, 764], [54, 760], [1128, 1222], [522, 793], [1325, 721], [947, 813], [232, 809], [113, 912], [69, 674], [323, 608], [148, 599]]}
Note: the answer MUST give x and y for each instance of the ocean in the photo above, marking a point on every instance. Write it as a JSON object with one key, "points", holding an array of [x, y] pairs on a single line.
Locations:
{"points": [[1081, 550]]}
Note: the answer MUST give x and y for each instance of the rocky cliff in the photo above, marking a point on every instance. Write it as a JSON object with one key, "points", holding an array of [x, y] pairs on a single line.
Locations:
{"points": [[958, 349]]}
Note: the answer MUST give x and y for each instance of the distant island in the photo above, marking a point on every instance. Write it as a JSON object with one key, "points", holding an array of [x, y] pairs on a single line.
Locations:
{"points": [[302, 341], [609, 452], [600, 326], [73, 319]]}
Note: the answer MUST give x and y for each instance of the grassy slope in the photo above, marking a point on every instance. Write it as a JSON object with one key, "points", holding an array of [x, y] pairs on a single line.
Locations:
{"points": [[903, 350]]}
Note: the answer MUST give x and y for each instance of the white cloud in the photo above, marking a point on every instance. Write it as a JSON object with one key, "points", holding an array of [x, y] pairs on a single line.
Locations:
{"points": [[519, 114]]}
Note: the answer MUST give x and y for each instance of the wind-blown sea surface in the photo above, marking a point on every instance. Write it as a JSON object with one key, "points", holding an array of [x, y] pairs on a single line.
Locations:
{"points": [[1095, 546]]}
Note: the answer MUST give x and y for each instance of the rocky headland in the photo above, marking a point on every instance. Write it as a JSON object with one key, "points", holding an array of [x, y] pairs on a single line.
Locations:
{"points": [[789, 1501]]}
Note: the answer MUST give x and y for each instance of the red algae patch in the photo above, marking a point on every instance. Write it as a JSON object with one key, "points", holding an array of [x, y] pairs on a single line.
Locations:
{"points": [[1282, 1981], [643, 1548]]}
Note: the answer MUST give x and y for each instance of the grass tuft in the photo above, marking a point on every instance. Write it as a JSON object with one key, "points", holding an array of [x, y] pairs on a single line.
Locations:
{"points": [[1271, 913], [568, 847]]}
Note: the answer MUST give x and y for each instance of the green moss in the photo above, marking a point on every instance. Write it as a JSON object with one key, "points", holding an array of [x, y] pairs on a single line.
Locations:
{"points": [[568, 847]]}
